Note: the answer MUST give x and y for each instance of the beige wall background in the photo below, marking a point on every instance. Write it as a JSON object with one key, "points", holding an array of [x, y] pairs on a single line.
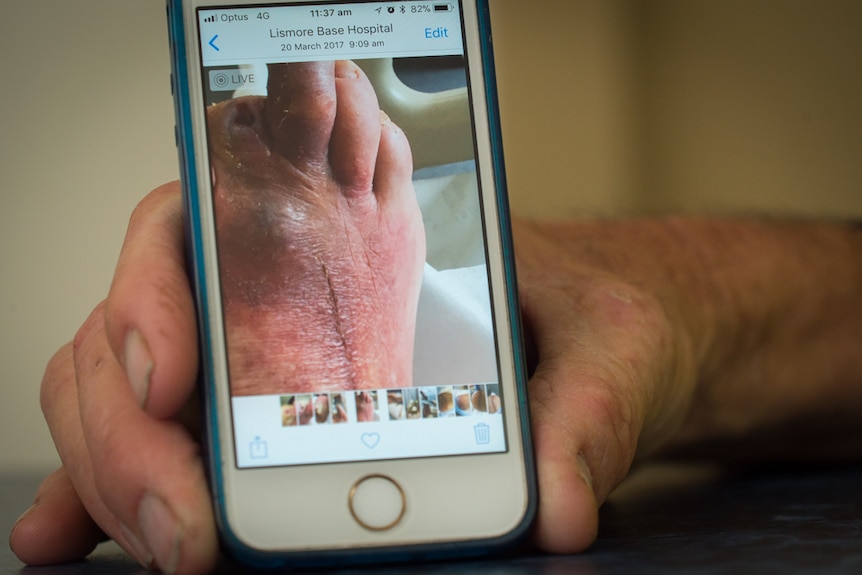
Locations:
{"points": [[653, 106], [610, 107]]}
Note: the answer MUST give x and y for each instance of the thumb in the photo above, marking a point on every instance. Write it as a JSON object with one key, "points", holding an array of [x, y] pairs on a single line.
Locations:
{"points": [[589, 398]]}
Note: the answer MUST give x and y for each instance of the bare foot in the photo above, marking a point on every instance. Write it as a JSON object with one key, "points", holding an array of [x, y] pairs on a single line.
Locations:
{"points": [[366, 410], [321, 243], [321, 408]]}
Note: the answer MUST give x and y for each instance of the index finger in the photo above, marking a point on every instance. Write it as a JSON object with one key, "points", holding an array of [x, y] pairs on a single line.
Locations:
{"points": [[149, 314]]}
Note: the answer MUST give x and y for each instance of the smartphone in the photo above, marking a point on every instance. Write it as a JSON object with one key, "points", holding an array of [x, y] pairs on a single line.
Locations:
{"points": [[348, 232]]}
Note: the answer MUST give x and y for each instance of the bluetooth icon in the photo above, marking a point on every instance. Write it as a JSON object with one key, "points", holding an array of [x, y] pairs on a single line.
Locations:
{"points": [[403, 10]]}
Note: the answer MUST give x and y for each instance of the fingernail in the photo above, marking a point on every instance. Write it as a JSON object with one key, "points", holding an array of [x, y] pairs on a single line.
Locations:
{"points": [[162, 532], [137, 549], [139, 365], [584, 470]]}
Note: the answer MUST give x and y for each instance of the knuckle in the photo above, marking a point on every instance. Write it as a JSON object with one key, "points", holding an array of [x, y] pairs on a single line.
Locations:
{"points": [[165, 195], [614, 422], [93, 325], [605, 404], [59, 372], [88, 350], [615, 418]]}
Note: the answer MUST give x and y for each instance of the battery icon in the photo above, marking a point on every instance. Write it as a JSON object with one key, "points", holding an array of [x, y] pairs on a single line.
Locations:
{"points": [[442, 7]]}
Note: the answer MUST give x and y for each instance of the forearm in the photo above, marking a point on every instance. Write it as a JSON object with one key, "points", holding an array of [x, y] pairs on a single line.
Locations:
{"points": [[780, 369], [742, 337]]}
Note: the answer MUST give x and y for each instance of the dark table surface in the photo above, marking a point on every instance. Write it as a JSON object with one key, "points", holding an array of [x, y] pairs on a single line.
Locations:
{"points": [[665, 519]]}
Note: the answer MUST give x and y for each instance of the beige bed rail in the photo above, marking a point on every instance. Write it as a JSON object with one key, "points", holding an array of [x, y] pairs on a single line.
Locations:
{"points": [[437, 124]]}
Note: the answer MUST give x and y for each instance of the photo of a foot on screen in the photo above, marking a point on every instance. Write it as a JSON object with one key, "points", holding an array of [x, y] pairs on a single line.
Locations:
{"points": [[321, 244]]}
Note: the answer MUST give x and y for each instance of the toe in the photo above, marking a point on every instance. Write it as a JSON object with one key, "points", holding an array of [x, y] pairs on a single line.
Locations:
{"points": [[356, 134], [394, 166], [300, 110]]}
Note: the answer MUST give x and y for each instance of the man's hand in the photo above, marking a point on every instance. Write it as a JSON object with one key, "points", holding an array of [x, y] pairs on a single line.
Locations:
{"points": [[615, 364], [606, 354], [646, 337], [113, 401]]}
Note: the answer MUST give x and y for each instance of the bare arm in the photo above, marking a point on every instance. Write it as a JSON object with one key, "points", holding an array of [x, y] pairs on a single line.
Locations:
{"points": [[687, 338], [652, 337], [783, 369]]}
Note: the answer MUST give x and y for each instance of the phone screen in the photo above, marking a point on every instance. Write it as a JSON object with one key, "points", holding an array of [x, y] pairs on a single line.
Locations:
{"points": [[349, 227]]}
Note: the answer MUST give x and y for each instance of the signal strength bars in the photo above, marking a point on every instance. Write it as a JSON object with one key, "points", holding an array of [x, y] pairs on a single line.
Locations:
{"points": [[212, 18]]}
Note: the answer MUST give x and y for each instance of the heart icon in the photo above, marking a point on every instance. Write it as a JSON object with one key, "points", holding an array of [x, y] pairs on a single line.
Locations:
{"points": [[370, 440]]}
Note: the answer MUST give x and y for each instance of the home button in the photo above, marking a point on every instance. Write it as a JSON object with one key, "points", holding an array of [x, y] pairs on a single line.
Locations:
{"points": [[377, 502]]}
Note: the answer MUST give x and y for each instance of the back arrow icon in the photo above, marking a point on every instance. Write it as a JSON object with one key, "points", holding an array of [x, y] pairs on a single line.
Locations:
{"points": [[212, 43]]}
